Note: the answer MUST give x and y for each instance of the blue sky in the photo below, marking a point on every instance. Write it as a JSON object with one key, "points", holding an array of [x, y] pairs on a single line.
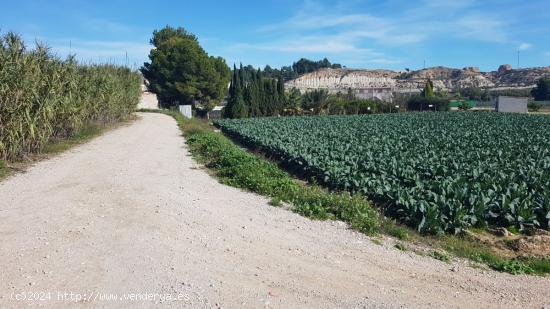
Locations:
{"points": [[394, 34]]}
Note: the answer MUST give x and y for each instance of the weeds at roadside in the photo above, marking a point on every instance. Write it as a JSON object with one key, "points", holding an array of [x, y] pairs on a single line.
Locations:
{"points": [[3, 169], [377, 241], [466, 248], [391, 228], [440, 256], [83, 135], [401, 246], [275, 202]]}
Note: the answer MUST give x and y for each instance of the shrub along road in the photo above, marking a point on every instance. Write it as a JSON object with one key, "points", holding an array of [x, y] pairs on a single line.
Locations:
{"points": [[131, 212]]}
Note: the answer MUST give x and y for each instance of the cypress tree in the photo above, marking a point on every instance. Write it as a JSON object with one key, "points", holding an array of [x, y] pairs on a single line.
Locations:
{"points": [[274, 98], [254, 95], [281, 90], [228, 110], [429, 89], [240, 110]]}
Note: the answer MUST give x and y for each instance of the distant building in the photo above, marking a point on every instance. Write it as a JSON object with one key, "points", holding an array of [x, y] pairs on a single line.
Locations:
{"points": [[511, 105]]}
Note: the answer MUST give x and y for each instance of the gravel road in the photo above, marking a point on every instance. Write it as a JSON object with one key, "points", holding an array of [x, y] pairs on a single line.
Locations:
{"points": [[148, 100], [129, 220]]}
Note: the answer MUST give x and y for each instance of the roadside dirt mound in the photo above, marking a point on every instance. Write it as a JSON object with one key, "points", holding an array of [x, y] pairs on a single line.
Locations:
{"points": [[537, 245]]}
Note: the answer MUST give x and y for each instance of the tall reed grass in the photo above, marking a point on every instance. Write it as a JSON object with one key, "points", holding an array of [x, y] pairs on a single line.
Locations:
{"points": [[44, 97]]}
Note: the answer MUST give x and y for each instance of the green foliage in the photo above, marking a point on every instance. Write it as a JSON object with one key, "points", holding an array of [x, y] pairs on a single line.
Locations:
{"points": [[275, 202], [475, 93], [422, 103], [293, 102], [514, 267], [3, 169], [302, 66], [401, 246], [252, 95], [533, 106], [315, 100], [542, 91], [473, 250], [43, 97], [306, 66], [510, 92], [464, 106], [84, 134], [437, 172], [440, 256], [428, 91], [392, 229], [181, 72], [539, 266]]}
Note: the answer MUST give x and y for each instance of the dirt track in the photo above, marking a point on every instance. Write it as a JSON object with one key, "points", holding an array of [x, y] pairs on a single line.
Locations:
{"points": [[130, 212]]}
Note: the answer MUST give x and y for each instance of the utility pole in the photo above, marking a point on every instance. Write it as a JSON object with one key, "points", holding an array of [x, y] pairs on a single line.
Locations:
{"points": [[424, 63], [518, 59]]}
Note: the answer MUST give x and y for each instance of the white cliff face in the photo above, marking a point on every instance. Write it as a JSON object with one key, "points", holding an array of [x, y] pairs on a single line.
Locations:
{"points": [[342, 79], [382, 84]]}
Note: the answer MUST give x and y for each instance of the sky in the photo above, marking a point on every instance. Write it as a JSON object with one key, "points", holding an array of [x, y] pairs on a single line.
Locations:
{"points": [[393, 34]]}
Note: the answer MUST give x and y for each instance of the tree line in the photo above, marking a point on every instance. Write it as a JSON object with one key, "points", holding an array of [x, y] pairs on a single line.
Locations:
{"points": [[251, 94], [298, 68]]}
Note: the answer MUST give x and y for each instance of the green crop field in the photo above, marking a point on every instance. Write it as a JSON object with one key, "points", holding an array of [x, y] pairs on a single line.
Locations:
{"points": [[438, 172]]}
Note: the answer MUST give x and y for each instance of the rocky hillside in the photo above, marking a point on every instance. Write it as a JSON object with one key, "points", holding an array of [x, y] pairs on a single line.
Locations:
{"points": [[443, 78]]}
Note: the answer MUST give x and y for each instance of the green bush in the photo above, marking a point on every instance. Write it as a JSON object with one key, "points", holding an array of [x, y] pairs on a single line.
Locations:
{"points": [[440, 256], [43, 97], [534, 106], [420, 103], [3, 168]]}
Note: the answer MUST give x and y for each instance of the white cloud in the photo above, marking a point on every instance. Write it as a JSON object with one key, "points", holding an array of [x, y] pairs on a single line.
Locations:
{"points": [[477, 27], [348, 30], [524, 46], [316, 44], [308, 22], [362, 31]]}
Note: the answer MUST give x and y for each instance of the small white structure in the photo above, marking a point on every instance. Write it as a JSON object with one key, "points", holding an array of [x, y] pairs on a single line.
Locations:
{"points": [[186, 111], [216, 112], [511, 105]]}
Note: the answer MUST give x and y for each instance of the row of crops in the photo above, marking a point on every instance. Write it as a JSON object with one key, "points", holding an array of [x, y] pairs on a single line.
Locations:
{"points": [[42, 97], [438, 172]]}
